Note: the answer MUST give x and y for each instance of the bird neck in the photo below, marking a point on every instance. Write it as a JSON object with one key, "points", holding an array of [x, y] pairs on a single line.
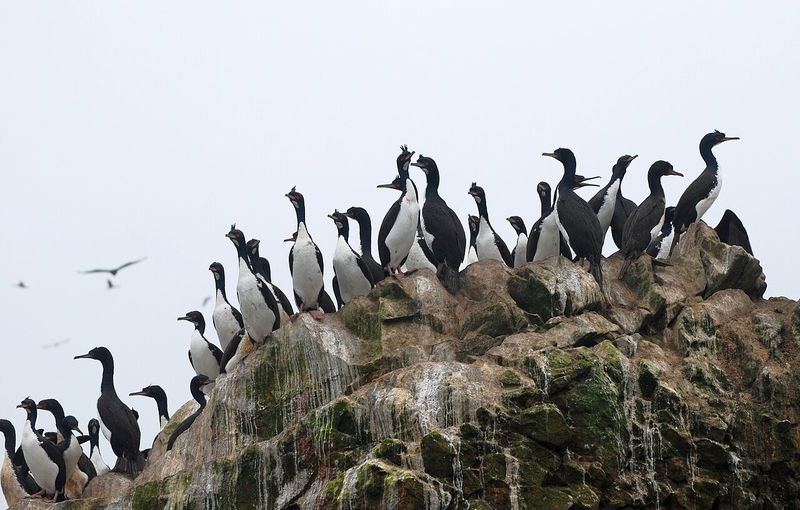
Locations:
{"points": [[618, 172], [67, 435], [568, 180], [472, 237], [547, 202], [483, 212], [201, 326], [654, 181], [219, 283], [300, 211], [432, 189], [708, 156], [199, 397], [11, 439], [243, 257], [107, 383], [365, 234], [344, 231], [32, 418], [265, 269], [94, 442], [161, 402]]}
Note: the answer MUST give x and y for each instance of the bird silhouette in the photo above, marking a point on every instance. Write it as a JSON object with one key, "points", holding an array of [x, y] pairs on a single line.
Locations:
{"points": [[21, 285], [206, 300], [110, 285], [114, 271]]}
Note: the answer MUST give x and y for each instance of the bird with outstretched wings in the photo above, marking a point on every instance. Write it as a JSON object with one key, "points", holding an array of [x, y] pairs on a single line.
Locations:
{"points": [[114, 271]]}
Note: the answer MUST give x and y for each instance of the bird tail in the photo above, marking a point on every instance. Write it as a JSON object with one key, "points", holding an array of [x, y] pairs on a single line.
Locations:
{"points": [[449, 277], [625, 265], [597, 271]]}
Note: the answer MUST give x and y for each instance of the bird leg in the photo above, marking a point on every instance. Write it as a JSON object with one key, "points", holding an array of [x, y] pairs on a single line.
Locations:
{"points": [[317, 314], [399, 274], [39, 495]]}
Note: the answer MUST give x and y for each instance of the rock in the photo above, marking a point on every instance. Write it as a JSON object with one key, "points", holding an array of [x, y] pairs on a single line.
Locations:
{"points": [[544, 423], [648, 377], [437, 455], [107, 486]]}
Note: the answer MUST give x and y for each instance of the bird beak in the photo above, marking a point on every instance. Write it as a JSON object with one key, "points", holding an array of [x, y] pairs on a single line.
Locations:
{"points": [[387, 186], [41, 405], [184, 318], [79, 430], [20, 406], [331, 217], [725, 139], [417, 164], [138, 393], [673, 172], [288, 240], [589, 179], [229, 235], [87, 355], [550, 155], [473, 193], [633, 157]]}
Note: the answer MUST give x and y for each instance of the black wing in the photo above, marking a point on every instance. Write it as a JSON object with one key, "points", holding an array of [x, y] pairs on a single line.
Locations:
{"points": [[291, 265], [190, 358], [386, 226], [237, 315], [375, 269], [120, 420], [230, 350], [636, 236], [581, 225], [686, 210], [55, 454], [325, 302], [362, 265], [216, 351], [23, 474], [450, 239], [597, 200], [564, 247], [85, 464], [731, 231], [337, 293], [132, 262], [533, 239], [183, 427], [269, 298], [319, 259], [508, 257], [284, 301], [622, 210]]}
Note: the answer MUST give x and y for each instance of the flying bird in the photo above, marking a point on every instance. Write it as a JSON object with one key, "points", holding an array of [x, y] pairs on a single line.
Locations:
{"points": [[114, 271], [21, 285], [110, 285], [55, 344]]}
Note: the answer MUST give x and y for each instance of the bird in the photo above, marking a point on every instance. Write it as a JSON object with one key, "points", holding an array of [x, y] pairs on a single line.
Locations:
{"points": [[325, 301], [110, 285], [204, 356], [44, 459], [15, 478], [703, 191], [260, 313], [117, 420], [365, 240], [100, 465], [262, 268], [21, 285], [419, 257], [55, 344], [69, 445], [488, 244], [518, 254], [206, 300], [305, 263], [576, 220], [659, 247], [158, 394], [545, 239], [195, 386], [444, 234], [113, 272], [231, 356], [399, 226], [473, 223], [226, 318], [730, 230], [604, 202], [352, 274], [644, 225]]}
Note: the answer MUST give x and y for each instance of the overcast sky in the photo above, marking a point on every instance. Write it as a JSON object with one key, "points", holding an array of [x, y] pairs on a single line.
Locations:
{"points": [[132, 129]]}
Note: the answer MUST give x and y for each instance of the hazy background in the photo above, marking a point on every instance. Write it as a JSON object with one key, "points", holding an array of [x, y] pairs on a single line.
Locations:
{"points": [[132, 129]]}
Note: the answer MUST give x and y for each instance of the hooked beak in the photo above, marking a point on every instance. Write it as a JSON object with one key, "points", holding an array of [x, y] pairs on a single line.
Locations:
{"points": [[87, 355], [20, 406], [229, 235], [332, 217], [550, 155]]}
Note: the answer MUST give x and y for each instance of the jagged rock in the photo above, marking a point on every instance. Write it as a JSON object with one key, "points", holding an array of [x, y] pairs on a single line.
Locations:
{"points": [[677, 387], [107, 486]]}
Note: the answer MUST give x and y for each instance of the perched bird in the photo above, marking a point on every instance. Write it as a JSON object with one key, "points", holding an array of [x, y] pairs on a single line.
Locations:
{"points": [[444, 234], [69, 445], [545, 239], [196, 387], [399, 226], [204, 356], [519, 252], [262, 269], [325, 301], [44, 459], [730, 230], [15, 477], [352, 274], [576, 220], [160, 396], [488, 244], [604, 202], [94, 448], [116, 419], [365, 237], [226, 318], [419, 257], [659, 247], [474, 223], [113, 272], [232, 356], [305, 263], [644, 224], [259, 309], [703, 191]]}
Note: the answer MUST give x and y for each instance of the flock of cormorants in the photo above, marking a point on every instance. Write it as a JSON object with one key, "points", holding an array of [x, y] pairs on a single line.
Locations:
{"points": [[414, 234]]}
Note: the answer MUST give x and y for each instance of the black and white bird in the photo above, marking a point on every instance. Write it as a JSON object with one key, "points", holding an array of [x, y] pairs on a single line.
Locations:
{"points": [[325, 301], [262, 269], [576, 220], [703, 191], [196, 388], [365, 241], [519, 252], [233, 354], [306, 264], [117, 420], [488, 244], [69, 445], [204, 356], [659, 247], [418, 256], [257, 304], [545, 239], [604, 202], [730, 230], [398, 230], [226, 318], [444, 234], [473, 223], [158, 394], [15, 478], [352, 274], [644, 224], [96, 457], [44, 459]]}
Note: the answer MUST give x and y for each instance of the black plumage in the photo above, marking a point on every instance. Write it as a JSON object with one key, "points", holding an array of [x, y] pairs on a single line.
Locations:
{"points": [[365, 237], [604, 202], [397, 233], [495, 246], [544, 192], [158, 394], [644, 225], [307, 279], [53, 453], [230, 350], [195, 387], [622, 211], [17, 460], [274, 297], [665, 236], [730, 230]]}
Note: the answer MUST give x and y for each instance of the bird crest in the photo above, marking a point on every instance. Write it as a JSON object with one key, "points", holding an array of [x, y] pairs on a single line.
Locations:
{"points": [[294, 188]]}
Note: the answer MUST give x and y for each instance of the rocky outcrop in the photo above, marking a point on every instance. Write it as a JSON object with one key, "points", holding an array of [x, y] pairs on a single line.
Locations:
{"points": [[531, 388]]}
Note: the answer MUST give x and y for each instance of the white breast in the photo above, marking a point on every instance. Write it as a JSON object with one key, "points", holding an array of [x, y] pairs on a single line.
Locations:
{"points": [[606, 211], [520, 250], [655, 231], [352, 281], [224, 322], [703, 205], [306, 273], [99, 464], [72, 455], [403, 233], [472, 255], [666, 245], [202, 358], [42, 468], [257, 317], [417, 259], [549, 243], [485, 242]]}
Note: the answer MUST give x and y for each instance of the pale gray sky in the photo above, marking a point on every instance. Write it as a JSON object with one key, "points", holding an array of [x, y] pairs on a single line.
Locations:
{"points": [[130, 129]]}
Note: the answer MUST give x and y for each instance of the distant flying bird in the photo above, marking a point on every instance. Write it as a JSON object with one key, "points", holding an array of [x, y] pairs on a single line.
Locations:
{"points": [[55, 344], [206, 300], [21, 285], [114, 271], [111, 285]]}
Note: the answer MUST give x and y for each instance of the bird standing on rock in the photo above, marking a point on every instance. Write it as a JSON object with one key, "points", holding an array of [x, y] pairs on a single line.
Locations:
{"points": [[399, 226], [644, 225], [365, 237], [44, 459], [15, 477], [659, 247], [488, 244], [226, 318], [604, 202], [545, 239], [521, 246], [353, 275], [204, 356]]}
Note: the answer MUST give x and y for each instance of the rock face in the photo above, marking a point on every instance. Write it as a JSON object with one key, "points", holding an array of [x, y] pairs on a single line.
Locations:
{"points": [[531, 388]]}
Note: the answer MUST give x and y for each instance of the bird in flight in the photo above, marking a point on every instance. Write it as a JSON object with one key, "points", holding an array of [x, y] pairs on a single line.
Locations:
{"points": [[55, 344], [111, 285], [206, 300], [114, 271], [21, 285]]}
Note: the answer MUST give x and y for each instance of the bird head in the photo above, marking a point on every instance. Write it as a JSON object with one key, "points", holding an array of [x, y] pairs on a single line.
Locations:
{"points": [[71, 423], [661, 168], [94, 426], [291, 238], [194, 317], [473, 222], [517, 224], [356, 213], [217, 270], [426, 164], [560, 154], [404, 158], [477, 193], [397, 184], [28, 404], [295, 197], [339, 219], [199, 381], [252, 248], [580, 181], [236, 236], [543, 189], [98, 353], [716, 138]]}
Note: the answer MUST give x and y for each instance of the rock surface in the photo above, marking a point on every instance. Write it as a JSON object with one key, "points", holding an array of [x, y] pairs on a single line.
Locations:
{"points": [[531, 388]]}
